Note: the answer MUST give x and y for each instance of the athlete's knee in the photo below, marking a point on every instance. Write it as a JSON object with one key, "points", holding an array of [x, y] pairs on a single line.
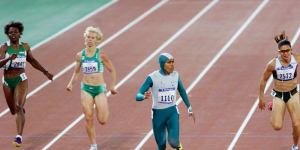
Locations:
{"points": [[102, 118], [161, 146], [277, 126], [296, 123], [102, 121], [19, 109], [174, 143], [12, 111], [89, 118]]}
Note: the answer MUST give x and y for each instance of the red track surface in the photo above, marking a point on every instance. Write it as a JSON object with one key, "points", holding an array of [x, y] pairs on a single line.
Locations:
{"points": [[221, 100]]}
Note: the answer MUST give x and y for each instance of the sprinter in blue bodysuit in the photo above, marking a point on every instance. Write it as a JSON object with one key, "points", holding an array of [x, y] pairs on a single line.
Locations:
{"points": [[163, 85]]}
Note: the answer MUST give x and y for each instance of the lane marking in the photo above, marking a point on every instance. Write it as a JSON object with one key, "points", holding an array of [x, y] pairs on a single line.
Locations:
{"points": [[253, 108], [212, 62]]}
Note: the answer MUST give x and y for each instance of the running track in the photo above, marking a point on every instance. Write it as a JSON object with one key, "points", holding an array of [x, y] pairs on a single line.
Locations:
{"points": [[221, 99]]}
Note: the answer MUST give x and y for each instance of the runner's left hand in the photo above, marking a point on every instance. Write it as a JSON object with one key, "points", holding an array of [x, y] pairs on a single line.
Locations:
{"points": [[193, 116], [113, 91]]}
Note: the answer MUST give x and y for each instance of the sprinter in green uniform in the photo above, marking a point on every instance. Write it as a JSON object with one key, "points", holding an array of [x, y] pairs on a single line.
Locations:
{"points": [[13, 57], [92, 61]]}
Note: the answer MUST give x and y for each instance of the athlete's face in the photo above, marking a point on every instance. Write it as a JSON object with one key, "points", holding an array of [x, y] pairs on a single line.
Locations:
{"points": [[14, 34], [169, 66], [91, 39], [285, 52]]}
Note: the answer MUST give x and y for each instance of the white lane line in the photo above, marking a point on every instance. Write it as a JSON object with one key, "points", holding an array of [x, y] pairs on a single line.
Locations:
{"points": [[253, 108], [212, 62], [54, 36], [74, 24], [157, 6]]}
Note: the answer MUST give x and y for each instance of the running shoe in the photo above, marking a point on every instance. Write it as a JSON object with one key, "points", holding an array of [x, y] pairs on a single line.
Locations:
{"points": [[93, 147], [294, 147], [17, 142], [180, 147]]}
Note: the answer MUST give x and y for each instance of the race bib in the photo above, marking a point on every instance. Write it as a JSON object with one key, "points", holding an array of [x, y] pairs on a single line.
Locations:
{"points": [[23, 76], [18, 62], [273, 93], [90, 67], [166, 97], [285, 74]]}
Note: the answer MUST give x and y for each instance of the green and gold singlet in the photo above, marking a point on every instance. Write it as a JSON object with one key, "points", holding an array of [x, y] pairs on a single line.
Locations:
{"points": [[92, 64], [20, 61]]}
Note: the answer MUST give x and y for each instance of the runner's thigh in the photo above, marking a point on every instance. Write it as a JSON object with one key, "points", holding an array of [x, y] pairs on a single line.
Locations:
{"points": [[102, 106], [278, 111], [9, 96], [21, 92], [87, 103], [293, 106]]}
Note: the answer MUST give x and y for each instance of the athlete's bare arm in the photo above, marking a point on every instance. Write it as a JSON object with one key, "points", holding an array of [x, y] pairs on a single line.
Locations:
{"points": [[262, 85], [76, 72]]}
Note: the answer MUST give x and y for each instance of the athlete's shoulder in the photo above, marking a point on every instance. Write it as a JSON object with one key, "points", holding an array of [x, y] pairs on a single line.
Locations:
{"points": [[3, 46], [154, 73], [102, 54], [297, 57], [25, 45], [175, 72], [271, 64], [78, 55]]}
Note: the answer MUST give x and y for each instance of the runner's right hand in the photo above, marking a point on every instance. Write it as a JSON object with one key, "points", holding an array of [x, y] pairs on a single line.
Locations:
{"points": [[147, 95], [49, 75], [262, 104], [13, 56]]}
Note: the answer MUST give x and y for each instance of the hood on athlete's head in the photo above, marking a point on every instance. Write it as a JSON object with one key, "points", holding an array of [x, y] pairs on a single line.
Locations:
{"points": [[162, 59]]}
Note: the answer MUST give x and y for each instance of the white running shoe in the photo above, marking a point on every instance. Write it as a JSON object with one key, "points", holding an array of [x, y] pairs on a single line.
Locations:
{"points": [[17, 141], [294, 147], [93, 147]]}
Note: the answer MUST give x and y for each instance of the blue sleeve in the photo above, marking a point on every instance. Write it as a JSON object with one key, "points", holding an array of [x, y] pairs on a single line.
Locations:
{"points": [[145, 87], [183, 94]]}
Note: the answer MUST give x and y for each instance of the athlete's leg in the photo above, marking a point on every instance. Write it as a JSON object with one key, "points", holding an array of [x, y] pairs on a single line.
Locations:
{"points": [[20, 99], [88, 110], [293, 106], [159, 130], [277, 115], [102, 108], [173, 130], [9, 96]]}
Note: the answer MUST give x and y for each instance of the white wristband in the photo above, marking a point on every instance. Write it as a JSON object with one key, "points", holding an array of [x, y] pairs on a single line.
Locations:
{"points": [[190, 111]]}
